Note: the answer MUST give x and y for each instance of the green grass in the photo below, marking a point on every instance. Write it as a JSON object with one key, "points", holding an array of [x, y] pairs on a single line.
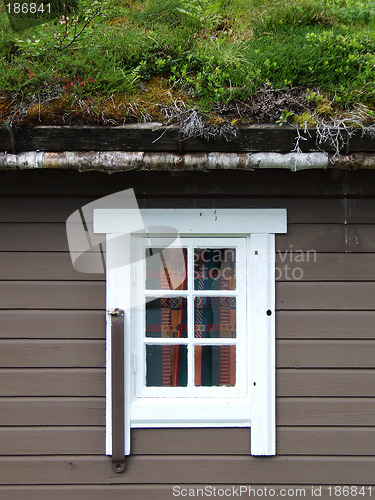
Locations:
{"points": [[201, 53]]}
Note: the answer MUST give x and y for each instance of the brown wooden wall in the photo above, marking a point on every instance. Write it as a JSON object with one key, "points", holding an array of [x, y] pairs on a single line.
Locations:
{"points": [[52, 341]]}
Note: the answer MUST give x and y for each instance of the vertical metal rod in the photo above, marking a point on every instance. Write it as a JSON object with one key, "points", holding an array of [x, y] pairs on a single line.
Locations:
{"points": [[118, 416]]}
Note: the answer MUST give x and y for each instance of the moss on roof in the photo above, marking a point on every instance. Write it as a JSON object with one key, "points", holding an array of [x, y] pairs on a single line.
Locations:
{"points": [[210, 65]]}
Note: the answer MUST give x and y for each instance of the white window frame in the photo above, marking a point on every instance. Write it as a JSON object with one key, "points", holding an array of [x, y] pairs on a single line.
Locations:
{"points": [[258, 228], [204, 395]]}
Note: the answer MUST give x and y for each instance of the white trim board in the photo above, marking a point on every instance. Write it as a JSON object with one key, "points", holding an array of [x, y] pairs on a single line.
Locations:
{"points": [[221, 222]]}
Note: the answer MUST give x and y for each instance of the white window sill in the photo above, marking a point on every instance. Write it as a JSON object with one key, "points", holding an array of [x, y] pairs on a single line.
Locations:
{"points": [[149, 412]]}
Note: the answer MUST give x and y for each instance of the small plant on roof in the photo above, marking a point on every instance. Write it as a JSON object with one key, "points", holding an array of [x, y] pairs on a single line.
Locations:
{"points": [[284, 117], [206, 13]]}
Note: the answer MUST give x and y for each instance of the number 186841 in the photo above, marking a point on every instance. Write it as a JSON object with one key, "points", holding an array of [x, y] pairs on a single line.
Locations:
{"points": [[349, 491], [28, 8]]}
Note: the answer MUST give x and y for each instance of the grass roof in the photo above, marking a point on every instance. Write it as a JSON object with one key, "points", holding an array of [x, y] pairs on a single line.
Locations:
{"points": [[210, 65]]}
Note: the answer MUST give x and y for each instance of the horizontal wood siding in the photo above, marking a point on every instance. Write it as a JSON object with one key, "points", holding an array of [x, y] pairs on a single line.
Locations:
{"points": [[298, 411], [203, 469], [91, 382], [303, 265], [52, 324], [52, 343], [89, 440], [69, 353]]}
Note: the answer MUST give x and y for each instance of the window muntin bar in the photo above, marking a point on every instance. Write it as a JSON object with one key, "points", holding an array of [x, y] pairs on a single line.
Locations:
{"points": [[210, 290]]}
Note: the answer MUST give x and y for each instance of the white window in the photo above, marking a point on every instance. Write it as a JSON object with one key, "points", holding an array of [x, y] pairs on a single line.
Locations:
{"points": [[199, 321]]}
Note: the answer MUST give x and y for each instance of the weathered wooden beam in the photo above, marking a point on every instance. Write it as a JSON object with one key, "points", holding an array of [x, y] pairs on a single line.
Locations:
{"points": [[158, 137]]}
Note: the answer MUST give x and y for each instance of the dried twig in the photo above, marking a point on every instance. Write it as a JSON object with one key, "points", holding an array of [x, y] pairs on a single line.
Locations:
{"points": [[76, 35]]}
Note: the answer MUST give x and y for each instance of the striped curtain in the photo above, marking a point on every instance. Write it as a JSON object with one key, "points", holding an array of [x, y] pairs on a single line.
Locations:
{"points": [[214, 317]]}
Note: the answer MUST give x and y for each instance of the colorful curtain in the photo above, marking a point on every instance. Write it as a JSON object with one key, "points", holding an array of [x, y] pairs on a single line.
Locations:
{"points": [[214, 317]]}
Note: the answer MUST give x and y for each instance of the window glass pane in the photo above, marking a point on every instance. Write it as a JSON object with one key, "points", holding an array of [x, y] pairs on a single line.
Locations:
{"points": [[215, 317], [215, 365], [215, 269], [167, 317], [166, 365], [166, 269]]}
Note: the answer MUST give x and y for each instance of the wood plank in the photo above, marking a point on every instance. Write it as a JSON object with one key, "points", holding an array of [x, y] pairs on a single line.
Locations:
{"points": [[127, 138], [34, 209], [50, 353], [299, 210], [325, 295], [358, 142], [158, 492], [344, 441], [326, 441], [361, 238], [162, 184], [70, 469], [325, 353], [220, 441], [26, 237], [52, 324], [52, 440], [320, 382], [325, 324], [151, 137], [313, 237], [155, 137], [307, 183], [312, 266], [52, 295], [257, 137], [325, 411], [360, 184], [327, 238], [52, 411], [41, 266], [28, 411], [360, 211], [52, 382], [47, 209]]}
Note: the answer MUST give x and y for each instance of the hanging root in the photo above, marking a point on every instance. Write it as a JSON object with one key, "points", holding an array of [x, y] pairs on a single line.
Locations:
{"points": [[336, 131]]}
